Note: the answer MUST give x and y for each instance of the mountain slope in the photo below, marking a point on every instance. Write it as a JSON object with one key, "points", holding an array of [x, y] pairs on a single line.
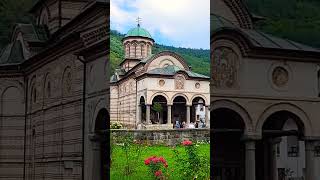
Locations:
{"points": [[198, 59], [297, 20]]}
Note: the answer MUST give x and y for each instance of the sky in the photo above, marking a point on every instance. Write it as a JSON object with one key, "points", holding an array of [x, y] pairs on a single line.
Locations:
{"points": [[179, 23]]}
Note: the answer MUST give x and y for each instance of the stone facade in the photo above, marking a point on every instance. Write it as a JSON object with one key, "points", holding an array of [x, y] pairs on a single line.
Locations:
{"points": [[262, 84], [50, 100], [146, 78]]}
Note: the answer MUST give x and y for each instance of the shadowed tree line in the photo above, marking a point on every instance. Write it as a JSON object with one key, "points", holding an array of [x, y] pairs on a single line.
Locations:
{"points": [[11, 12], [297, 20]]}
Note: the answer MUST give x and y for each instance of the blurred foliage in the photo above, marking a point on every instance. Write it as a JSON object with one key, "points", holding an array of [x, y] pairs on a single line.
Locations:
{"points": [[297, 20], [198, 59], [11, 12]]}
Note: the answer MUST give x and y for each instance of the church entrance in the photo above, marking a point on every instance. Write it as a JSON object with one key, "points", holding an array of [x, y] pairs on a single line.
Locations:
{"points": [[159, 110], [101, 145], [143, 109], [179, 111], [228, 148], [280, 126], [198, 111]]}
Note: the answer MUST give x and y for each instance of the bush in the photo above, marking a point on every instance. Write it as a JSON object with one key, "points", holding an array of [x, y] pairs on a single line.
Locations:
{"points": [[191, 164], [116, 125]]}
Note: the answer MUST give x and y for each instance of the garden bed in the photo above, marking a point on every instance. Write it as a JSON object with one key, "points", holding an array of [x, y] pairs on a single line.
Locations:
{"points": [[128, 160]]}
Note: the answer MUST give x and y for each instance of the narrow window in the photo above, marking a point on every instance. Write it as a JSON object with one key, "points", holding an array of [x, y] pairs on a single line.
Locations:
{"points": [[318, 83]]}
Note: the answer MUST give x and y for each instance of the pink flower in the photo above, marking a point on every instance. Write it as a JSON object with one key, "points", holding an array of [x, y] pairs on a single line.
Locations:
{"points": [[161, 159], [158, 173], [187, 143], [147, 161]]}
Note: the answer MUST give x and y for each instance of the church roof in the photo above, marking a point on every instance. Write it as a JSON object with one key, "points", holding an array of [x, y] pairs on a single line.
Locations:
{"points": [[257, 38], [32, 33], [138, 32], [172, 70], [12, 53], [217, 22]]}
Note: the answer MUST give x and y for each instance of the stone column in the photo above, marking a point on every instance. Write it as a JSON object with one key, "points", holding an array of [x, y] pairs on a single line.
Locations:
{"points": [[317, 160], [188, 114], [169, 115], [148, 114], [250, 172], [309, 149], [139, 114], [273, 152], [207, 116]]}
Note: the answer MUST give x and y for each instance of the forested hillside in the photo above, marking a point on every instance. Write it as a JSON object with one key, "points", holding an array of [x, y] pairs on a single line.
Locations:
{"points": [[198, 59], [298, 20]]}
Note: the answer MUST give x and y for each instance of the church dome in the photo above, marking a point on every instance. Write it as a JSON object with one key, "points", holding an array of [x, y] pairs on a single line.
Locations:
{"points": [[138, 32]]}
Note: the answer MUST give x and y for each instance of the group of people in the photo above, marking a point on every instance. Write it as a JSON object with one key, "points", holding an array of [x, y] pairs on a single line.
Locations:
{"points": [[191, 125]]}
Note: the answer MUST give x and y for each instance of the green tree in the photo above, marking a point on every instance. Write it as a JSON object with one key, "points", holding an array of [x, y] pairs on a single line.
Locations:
{"points": [[157, 107]]}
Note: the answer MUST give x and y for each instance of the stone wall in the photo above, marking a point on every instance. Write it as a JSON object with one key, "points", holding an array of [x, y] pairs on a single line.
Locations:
{"points": [[167, 137]]}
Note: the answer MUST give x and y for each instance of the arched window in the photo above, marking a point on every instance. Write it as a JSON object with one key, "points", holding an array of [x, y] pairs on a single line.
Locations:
{"points": [[34, 95], [135, 50], [128, 50], [318, 83], [142, 47], [48, 89]]}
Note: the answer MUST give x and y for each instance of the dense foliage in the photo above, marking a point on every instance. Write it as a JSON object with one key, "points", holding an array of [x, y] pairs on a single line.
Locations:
{"points": [[11, 12], [198, 59], [297, 20]]}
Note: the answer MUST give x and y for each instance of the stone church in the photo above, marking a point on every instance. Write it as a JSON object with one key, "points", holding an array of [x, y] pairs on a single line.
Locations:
{"points": [[145, 79], [264, 100], [54, 93]]}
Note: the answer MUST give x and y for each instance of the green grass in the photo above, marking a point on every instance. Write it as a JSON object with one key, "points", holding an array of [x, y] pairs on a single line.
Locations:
{"points": [[142, 171]]}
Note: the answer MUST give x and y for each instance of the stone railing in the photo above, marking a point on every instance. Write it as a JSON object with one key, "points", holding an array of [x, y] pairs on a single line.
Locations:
{"points": [[164, 136]]}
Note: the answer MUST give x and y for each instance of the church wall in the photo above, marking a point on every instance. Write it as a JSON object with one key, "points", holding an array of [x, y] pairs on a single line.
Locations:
{"points": [[97, 98], [144, 44], [275, 81], [70, 10], [169, 89], [52, 8], [114, 103], [263, 85], [126, 103], [54, 133], [12, 123], [163, 60]]}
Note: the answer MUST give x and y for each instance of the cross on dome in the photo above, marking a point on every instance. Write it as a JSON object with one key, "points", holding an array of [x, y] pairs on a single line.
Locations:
{"points": [[139, 21]]}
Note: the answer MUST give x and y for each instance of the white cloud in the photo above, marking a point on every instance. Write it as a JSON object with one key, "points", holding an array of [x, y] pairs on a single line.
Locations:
{"points": [[183, 23]]}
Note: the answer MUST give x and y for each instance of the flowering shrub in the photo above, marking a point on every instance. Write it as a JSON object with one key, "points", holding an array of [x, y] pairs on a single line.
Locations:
{"points": [[157, 166], [187, 143], [116, 125], [191, 164]]}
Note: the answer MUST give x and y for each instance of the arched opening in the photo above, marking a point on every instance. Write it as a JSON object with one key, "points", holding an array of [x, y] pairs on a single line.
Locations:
{"points": [[280, 153], [143, 109], [228, 149], [159, 110], [179, 111], [198, 112], [101, 126]]}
